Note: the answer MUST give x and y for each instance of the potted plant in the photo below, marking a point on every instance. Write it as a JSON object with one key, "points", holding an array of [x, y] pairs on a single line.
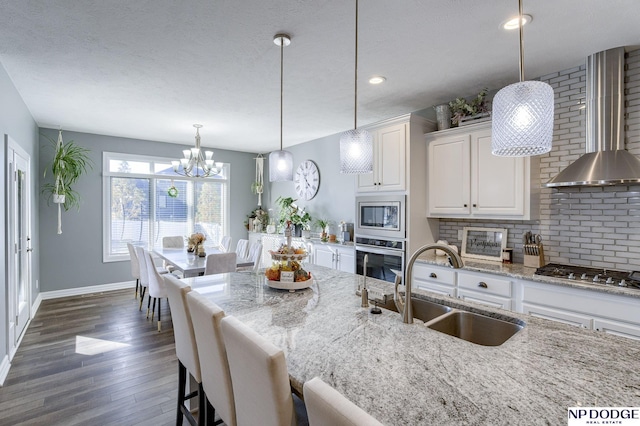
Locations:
{"points": [[323, 224], [70, 161], [289, 212], [460, 108]]}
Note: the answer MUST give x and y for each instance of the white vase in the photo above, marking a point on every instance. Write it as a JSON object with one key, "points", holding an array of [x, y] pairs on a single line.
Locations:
{"points": [[58, 198]]}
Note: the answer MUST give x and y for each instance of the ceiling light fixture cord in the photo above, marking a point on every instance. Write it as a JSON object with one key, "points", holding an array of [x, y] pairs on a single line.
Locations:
{"points": [[281, 85], [355, 78], [521, 32]]}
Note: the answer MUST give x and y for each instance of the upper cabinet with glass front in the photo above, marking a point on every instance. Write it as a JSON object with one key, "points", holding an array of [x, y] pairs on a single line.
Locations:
{"points": [[466, 181]]}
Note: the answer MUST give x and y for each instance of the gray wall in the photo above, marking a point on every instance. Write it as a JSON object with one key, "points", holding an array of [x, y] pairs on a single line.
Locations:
{"points": [[17, 122], [598, 226], [335, 197], [74, 258]]}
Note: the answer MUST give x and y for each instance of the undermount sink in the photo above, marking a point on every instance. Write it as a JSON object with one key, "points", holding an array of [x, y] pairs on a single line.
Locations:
{"points": [[475, 328], [423, 309]]}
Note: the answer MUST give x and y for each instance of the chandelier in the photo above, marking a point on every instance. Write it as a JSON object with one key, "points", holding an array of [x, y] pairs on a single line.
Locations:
{"points": [[194, 163]]}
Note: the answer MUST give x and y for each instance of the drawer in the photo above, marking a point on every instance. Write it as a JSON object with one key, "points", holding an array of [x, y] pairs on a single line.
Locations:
{"points": [[446, 290], [485, 299], [434, 274], [485, 284]]}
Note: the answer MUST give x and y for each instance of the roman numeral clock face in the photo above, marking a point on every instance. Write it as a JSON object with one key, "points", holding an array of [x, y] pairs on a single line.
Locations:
{"points": [[307, 180]]}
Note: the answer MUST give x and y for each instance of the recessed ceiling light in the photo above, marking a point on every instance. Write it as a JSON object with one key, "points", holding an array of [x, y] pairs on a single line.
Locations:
{"points": [[377, 79], [512, 23]]}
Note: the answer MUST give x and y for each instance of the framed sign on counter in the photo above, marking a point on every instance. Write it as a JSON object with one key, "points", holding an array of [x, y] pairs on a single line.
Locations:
{"points": [[484, 243]]}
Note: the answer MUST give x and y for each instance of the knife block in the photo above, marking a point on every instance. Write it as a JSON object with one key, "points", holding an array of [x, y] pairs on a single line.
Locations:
{"points": [[534, 260]]}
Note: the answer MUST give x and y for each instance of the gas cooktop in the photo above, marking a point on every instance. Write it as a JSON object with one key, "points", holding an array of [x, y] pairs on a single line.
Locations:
{"points": [[591, 275]]}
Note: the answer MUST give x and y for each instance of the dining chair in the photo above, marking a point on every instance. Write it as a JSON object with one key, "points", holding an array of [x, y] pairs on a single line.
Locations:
{"points": [[218, 263], [214, 366], [328, 407], [186, 350], [254, 255], [241, 248], [259, 377], [176, 242], [225, 243], [144, 276], [135, 266], [157, 289]]}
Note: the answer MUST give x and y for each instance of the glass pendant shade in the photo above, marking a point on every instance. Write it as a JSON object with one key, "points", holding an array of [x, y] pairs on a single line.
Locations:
{"points": [[356, 152], [522, 122], [280, 166]]}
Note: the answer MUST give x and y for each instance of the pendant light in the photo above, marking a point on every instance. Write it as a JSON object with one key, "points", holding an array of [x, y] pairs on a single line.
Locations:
{"points": [[281, 162], [356, 146], [522, 115]]}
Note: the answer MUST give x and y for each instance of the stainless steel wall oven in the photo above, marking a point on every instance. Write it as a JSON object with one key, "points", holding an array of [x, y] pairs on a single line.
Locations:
{"points": [[384, 257]]}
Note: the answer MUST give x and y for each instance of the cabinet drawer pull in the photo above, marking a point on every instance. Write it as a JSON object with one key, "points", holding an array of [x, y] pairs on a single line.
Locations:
{"points": [[433, 275], [465, 205], [475, 205], [482, 284]]}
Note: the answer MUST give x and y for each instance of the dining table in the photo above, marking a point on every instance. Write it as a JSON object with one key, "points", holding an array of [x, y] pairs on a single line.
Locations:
{"points": [[409, 374], [190, 264]]}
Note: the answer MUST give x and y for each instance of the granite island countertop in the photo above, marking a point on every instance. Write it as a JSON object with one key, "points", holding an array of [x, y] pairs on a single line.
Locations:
{"points": [[407, 374], [519, 271]]}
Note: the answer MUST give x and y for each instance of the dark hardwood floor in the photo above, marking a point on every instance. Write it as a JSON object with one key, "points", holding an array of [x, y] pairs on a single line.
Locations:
{"points": [[60, 376]]}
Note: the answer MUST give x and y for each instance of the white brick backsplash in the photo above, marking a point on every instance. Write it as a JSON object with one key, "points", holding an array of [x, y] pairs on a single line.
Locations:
{"points": [[591, 226]]}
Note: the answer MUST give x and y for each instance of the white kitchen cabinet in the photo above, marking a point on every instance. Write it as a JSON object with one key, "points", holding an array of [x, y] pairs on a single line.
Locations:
{"points": [[335, 257], [558, 315], [485, 289], [465, 180], [631, 331], [437, 279], [610, 313], [389, 159]]}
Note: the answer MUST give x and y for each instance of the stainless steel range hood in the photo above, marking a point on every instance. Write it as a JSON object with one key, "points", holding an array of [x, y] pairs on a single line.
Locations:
{"points": [[606, 162]]}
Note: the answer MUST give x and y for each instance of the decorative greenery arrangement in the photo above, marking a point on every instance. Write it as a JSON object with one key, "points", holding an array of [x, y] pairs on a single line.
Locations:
{"points": [[289, 212], [461, 108], [70, 161], [262, 215]]}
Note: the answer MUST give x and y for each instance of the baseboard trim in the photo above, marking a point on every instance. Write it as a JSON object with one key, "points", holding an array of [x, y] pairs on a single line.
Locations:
{"points": [[56, 294], [4, 369]]}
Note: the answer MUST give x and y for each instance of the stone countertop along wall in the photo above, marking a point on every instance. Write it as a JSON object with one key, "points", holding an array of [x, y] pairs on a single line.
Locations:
{"points": [[407, 374], [521, 272], [597, 226]]}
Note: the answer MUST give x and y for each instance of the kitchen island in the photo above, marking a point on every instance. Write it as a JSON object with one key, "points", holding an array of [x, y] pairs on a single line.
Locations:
{"points": [[407, 374]]}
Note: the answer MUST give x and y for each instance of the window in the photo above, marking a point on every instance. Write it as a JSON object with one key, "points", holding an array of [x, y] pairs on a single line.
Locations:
{"points": [[139, 210]]}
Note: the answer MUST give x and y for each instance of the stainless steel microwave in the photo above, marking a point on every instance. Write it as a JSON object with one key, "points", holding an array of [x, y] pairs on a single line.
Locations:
{"points": [[381, 216]]}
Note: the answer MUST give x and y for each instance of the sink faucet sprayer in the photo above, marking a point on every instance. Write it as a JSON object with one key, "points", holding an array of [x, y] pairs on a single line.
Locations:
{"points": [[404, 306]]}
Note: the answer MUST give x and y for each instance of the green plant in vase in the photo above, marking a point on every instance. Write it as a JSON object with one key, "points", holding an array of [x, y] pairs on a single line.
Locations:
{"points": [[323, 224]]}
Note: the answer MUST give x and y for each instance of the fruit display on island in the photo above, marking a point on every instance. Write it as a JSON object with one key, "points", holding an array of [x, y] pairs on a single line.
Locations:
{"points": [[287, 259]]}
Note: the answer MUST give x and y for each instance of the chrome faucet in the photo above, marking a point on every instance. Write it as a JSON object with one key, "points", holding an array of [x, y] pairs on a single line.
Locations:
{"points": [[364, 293], [404, 306]]}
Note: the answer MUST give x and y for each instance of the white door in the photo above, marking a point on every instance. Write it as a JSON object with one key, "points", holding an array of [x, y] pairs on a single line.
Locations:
{"points": [[18, 241]]}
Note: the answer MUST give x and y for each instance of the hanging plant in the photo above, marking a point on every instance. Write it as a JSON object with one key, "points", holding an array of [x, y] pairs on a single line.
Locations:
{"points": [[70, 161]]}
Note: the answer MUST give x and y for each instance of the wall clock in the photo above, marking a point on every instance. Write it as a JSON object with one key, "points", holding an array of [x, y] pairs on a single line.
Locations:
{"points": [[307, 180]]}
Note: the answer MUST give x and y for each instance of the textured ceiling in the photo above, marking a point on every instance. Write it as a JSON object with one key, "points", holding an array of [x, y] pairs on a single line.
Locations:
{"points": [[149, 69]]}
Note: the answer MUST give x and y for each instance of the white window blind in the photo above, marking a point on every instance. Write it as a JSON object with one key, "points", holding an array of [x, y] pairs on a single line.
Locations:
{"points": [[139, 210]]}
